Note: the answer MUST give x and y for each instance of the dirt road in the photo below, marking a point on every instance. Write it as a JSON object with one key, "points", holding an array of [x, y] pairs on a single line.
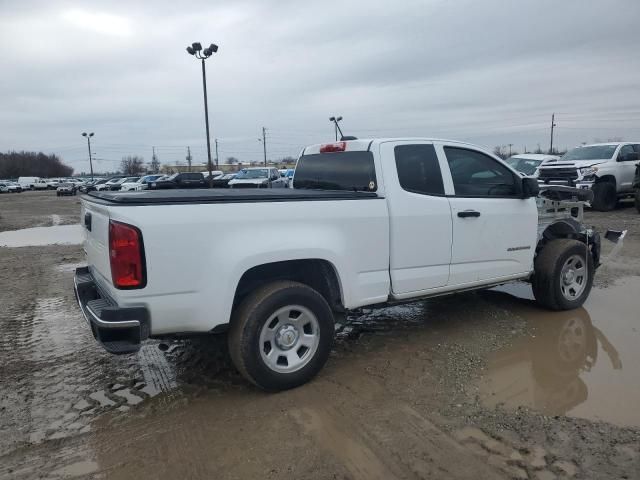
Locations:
{"points": [[480, 385]]}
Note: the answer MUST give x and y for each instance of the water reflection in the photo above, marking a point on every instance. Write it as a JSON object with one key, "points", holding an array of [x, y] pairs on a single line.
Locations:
{"points": [[544, 370]]}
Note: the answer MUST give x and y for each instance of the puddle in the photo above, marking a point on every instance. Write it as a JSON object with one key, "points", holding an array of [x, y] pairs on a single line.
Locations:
{"points": [[583, 363], [42, 236]]}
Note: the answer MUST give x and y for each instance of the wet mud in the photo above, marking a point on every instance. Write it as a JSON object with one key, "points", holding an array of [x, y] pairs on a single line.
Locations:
{"points": [[478, 385]]}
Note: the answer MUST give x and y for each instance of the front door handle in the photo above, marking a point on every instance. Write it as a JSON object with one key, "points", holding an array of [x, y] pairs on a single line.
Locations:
{"points": [[468, 213]]}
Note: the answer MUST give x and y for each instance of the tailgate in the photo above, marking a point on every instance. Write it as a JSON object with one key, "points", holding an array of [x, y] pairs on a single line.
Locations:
{"points": [[95, 220]]}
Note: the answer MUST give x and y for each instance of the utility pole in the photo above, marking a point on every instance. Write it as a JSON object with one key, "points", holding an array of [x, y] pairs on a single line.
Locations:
{"points": [[154, 160], [189, 158], [217, 164], [553, 124], [510, 145], [264, 144]]}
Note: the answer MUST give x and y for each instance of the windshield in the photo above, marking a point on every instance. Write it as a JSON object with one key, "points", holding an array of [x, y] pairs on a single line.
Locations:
{"points": [[259, 173], [172, 177], [524, 165], [131, 179], [336, 171], [596, 152]]}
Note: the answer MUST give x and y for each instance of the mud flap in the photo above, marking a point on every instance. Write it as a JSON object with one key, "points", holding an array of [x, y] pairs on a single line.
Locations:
{"points": [[617, 237]]}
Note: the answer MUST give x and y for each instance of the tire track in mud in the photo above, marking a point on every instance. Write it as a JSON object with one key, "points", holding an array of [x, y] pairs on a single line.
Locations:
{"points": [[54, 378], [378, 436]]}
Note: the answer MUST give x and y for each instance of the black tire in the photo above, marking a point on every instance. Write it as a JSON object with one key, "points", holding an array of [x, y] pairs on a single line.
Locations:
{"points": [[637, 199], [251, 315], [547, 278], [605, 197]]}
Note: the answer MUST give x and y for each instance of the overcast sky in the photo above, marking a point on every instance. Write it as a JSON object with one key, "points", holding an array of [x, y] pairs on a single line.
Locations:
{"points": [[490, 72]]}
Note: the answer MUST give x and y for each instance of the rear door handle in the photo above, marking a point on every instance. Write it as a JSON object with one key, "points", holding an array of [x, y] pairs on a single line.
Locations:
{"points": [[468, 213]]}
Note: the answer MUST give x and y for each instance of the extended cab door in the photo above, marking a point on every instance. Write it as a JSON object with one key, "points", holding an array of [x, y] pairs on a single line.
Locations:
{"points": [[627, 160], [494, 229], [419, 217]]}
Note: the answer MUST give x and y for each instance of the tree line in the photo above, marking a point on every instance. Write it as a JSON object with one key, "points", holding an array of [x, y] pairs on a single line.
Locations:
{"points": [[32, 164]]}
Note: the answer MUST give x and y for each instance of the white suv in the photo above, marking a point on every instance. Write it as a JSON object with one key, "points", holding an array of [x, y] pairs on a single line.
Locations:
{"points": [[606, 168]]}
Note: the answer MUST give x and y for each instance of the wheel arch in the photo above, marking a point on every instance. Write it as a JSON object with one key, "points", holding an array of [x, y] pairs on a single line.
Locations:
{"points": [[607, 179], [319, 274], [572, 229]]}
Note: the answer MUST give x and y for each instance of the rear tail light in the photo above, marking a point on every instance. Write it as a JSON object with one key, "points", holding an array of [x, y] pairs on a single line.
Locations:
{"points": [[126, 254], [333, 147]]}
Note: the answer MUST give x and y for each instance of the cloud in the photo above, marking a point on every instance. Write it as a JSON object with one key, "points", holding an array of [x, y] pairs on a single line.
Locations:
{"points": [[99, 22], [490, 72]]}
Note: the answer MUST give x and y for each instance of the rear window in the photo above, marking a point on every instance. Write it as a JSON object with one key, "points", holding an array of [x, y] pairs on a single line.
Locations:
{"points": [[353, 171]]}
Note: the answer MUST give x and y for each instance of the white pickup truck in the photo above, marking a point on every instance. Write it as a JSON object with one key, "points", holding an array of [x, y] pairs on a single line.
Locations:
{"points": [[606, 168], [368, 223]]}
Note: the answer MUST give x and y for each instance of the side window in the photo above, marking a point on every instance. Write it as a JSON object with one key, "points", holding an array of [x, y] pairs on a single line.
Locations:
{"points": [[475, 174], [418, 169], [626, 153]]}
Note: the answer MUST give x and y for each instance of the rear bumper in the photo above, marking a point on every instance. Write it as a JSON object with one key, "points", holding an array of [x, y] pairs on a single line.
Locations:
{"points": [[119, 330]]}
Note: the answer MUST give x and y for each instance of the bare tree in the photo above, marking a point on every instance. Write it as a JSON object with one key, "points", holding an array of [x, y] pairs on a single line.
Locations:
{"points": [[232, 160], [499, 152], [132, 165]]}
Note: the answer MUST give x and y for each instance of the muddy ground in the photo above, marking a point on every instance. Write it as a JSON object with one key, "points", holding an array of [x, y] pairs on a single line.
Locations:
{"points": [[479, 385]]}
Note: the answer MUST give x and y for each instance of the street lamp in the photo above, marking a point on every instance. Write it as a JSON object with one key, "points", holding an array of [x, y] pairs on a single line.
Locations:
{"points": [[196, 50], [89, 135], [335, 121]]}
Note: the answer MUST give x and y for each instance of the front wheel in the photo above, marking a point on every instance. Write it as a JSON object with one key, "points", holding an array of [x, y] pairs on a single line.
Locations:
{"points": [[563, 274], [281, 335], [605, 197]]}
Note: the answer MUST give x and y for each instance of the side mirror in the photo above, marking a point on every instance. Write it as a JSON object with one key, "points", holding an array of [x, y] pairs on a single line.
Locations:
{"points": [[530, 187]]}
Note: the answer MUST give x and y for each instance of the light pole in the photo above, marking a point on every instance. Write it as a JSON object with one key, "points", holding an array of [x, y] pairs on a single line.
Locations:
{"points": [[196, 50], [335, 121], [89, 135]]}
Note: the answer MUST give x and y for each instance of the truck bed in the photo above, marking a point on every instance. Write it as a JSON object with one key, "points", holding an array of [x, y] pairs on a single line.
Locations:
{"points": [[224, 195]]}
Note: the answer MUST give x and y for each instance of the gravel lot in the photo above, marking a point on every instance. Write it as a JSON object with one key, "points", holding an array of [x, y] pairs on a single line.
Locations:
{"points": [[479, 385]]}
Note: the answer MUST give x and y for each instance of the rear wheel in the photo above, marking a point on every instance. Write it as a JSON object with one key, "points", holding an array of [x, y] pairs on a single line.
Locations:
{"points": [[563, 274], [605, 197], [281, 335], [637, 198]]}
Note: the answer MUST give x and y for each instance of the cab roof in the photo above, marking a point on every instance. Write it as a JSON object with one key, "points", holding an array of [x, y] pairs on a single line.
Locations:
{"points": [[364, 144]]}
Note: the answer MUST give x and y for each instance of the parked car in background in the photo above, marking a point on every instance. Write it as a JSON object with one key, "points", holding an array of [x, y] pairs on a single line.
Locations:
{"points": [[369, 223], [108, 183], [117, 185], [289, 177], [258, 177], [179, 180], [90, 186], [66, 188], [636, 187], [41, 184], [52, 183], [141, 183], [214, 174], [10, 187], [606, 168], [222, 181], [529, 163], [27, 183]]}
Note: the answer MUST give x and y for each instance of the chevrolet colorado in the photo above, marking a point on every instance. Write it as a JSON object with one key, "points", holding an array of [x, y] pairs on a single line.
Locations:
{"points": [[369, 223]]}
